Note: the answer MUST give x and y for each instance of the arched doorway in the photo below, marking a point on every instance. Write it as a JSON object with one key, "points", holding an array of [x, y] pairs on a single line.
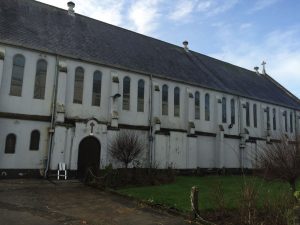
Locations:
{"points": [[88, 156]]}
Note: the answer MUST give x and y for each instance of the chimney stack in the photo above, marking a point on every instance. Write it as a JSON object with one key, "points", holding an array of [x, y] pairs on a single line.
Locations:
{"points": [[185, 45], [256, 70], [71, 6]]}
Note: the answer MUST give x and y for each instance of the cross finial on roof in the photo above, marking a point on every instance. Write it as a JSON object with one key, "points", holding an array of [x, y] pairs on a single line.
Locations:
{"points": [[264, 67]]}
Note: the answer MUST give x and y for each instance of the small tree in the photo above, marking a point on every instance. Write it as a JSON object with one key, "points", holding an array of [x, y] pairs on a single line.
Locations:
{"points": [[126, 147], [281, 160]]}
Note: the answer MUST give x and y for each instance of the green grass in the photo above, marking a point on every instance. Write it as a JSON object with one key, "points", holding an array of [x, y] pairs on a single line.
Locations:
{"points": [[177, 194]]}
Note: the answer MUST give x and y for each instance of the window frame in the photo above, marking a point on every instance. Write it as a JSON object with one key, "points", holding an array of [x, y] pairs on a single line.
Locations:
{"points": [[96, 96], [197, 105], [141, 96], [17, 73], [78, 81], [10, 148], [35, 137], [207, 106], [165, 100], [224, 110], [126, 96], [176, 102], [39, 75]]}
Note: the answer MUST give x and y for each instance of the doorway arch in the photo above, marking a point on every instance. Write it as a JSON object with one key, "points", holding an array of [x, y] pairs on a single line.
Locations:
{"points": [[88, 156]]}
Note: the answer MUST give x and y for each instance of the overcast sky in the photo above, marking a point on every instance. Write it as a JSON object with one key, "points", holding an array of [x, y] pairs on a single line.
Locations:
{"points": [[242, 32]]}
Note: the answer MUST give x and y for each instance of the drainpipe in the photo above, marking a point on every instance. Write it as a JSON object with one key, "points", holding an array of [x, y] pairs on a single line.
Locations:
{"points": [[52, 124], [150, 122], [240, 127]]}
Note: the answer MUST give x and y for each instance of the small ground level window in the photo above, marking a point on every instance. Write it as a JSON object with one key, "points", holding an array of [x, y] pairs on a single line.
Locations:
{"points": [[10, 144]]}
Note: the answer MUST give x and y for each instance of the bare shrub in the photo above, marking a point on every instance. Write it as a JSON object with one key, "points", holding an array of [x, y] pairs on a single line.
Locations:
{"points": [[281, 160], [278, 209], [248, 205], [126, 147]]}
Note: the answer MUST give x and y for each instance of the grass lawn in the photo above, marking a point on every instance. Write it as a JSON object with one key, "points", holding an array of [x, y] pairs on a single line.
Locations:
{"points": [[177, 194]]}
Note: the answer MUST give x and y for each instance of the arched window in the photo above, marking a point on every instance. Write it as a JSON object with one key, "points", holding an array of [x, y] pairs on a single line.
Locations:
{"points": [[274, 119], [285, 121], [247, 114], [232, 108], [291, 122], [78, 85], [40, 79], [176, 101], [197, 105], [224, 116], [140, 99], [254, 115], [17, 75], [126, 93], [96, 97], [10, 144], [165, 94], [268, 118], [207, 107], [34, 140]]}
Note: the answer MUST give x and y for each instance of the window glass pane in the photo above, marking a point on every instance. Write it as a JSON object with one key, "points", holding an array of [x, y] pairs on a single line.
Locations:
{"points": [[224, 116], [17, 75], [176, 102], [207, 107], [232, 106], [274, 119], [291, 122], [78, 85], [40, 79], [10, 144], [34, 140], [197, 105], [96, 97], [247, 114], [285, 121], [255, 115], [140, 103], [268, 118], [165, 100], [126, 93]]}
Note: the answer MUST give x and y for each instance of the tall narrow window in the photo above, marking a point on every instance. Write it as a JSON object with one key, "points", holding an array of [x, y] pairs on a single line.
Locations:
{"points": [[224, 116], [291, 122], [126, 93], [165, 94], [254, 115], [176, 101], [274, 119], [96, 98], [285, 121], [40, 79], [207, 107], [141, 93], [268, 118], [34, 140], [197, 105], [78, 85], [17, 75], [10, 144], [247, 114], [232, 107]]}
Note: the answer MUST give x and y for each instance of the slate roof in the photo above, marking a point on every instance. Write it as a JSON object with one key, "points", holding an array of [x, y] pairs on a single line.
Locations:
{"points": [[46, 28]]}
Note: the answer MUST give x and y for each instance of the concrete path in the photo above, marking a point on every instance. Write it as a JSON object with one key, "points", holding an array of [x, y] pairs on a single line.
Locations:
{"points": [[39, 202]]}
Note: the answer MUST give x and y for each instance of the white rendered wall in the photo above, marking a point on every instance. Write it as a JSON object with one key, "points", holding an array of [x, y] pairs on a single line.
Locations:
{"points": [[23, 158]]}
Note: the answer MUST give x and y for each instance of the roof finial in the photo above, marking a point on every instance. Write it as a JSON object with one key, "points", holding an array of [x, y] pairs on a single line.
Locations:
{"points": [[264, 67], [185, 45]]}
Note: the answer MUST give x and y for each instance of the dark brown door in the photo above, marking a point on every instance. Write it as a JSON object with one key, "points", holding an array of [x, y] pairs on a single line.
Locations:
{"points": [[88, 156]]}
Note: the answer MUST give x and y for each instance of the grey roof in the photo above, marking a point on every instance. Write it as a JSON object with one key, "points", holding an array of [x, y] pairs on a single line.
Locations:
{"points": [[46, 28]]}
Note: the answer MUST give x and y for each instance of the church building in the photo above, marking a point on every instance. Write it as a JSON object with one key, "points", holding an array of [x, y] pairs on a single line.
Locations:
{"points": [[69, 84]]}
